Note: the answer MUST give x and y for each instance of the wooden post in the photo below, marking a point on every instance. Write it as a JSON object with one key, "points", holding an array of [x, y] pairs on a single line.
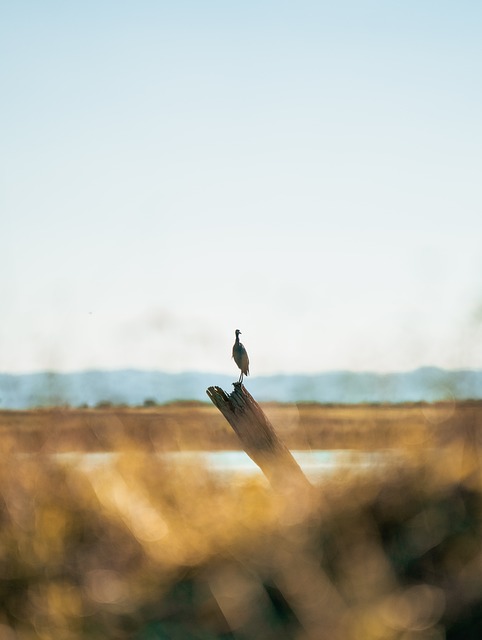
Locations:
{"points": [[257, 435]]}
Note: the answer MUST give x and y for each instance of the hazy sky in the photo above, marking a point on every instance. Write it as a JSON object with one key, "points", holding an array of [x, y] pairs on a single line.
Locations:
{"points": [[309, 172]]}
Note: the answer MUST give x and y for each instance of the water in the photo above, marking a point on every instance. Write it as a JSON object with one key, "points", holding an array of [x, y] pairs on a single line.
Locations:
{"points": [[315, 463]]}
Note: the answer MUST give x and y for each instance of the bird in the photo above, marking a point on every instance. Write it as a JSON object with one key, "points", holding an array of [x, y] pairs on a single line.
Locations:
{"points": [[240, 356]]}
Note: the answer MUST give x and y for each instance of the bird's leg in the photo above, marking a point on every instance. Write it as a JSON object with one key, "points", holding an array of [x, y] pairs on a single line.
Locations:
{"points": [[241, 377]]}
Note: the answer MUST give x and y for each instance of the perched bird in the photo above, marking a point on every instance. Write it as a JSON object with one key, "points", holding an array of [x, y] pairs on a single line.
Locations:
{"points": [[240, 356]]}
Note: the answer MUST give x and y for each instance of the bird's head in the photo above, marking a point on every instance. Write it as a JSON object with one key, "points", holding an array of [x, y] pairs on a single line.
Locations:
{"points": [[237, 332]]}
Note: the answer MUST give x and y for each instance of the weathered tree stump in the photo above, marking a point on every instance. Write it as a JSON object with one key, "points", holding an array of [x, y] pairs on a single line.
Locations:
{"points": [[257, 435]]}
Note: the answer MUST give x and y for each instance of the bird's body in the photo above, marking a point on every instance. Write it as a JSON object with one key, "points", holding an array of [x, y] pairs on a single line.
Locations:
{"points": [[240, 356]]}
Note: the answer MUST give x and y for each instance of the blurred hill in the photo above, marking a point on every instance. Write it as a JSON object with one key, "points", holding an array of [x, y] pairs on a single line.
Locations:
{"points": [[134, 387]]}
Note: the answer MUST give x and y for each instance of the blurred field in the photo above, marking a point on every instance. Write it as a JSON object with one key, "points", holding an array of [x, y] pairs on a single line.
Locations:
{"points": [[139, 549], [185, 426]]}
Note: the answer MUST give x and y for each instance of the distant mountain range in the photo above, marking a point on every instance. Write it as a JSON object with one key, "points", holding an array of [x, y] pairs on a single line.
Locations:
{"points": [[133, 387]]}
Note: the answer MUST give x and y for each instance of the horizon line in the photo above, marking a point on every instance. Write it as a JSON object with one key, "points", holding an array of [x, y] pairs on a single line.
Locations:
{"points": [[134, 369]]}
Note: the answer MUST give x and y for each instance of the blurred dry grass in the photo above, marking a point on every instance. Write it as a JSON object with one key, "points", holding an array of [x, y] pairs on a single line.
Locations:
{"points": [[185, 426], [142, 549]]}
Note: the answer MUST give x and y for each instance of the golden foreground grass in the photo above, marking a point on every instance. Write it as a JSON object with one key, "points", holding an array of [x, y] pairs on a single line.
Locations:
{"points": [[143, 549]]}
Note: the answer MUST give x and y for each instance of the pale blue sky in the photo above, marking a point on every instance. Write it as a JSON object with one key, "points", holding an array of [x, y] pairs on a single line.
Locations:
{"points": [[308, 171]]}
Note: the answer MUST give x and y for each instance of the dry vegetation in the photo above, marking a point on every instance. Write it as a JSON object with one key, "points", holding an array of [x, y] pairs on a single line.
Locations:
{"points": [[185, 426], [145, 550]]}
